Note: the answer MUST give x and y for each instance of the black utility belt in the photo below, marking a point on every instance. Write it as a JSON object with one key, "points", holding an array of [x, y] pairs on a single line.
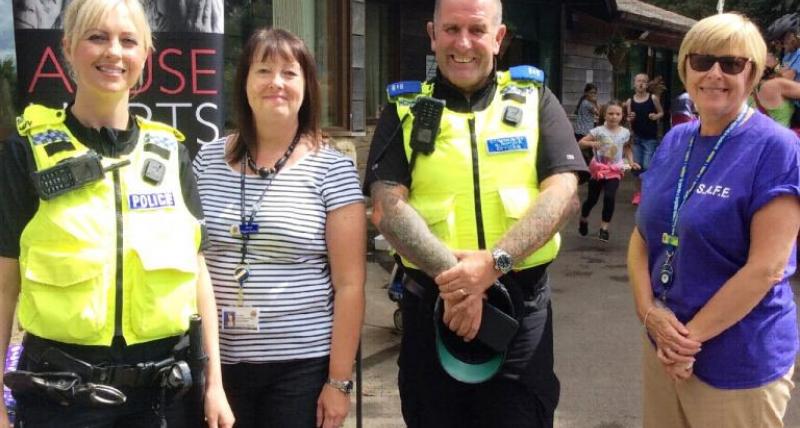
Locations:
{"points": [[49, 358]]}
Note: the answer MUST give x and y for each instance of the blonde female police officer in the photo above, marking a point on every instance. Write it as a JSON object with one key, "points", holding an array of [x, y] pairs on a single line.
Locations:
{"points": [[106, 267]]}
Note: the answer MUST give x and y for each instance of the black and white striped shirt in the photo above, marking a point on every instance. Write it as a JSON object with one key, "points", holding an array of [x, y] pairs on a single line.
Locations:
{"points": [[289, 273]]}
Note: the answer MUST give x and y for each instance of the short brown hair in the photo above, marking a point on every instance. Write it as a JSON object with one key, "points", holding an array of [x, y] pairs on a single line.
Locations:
{"points": [[263, 44]]}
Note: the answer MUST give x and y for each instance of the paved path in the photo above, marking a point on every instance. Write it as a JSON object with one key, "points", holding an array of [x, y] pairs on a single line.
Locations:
{"points": [[597, 335]]}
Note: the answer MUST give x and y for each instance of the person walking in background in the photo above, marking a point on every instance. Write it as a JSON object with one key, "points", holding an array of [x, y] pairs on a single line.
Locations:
{"points": [[423, 203], [106, 262], [643, 111], [287, 231], [710, 257], [586, 116], [608, 143], [683, 109]]}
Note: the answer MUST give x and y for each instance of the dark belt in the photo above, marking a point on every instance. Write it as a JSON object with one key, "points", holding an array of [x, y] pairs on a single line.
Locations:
{"points": [[49, 358]]}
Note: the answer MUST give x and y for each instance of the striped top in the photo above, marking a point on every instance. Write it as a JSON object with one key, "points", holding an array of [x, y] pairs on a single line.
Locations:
{"points": [[290, 279]]}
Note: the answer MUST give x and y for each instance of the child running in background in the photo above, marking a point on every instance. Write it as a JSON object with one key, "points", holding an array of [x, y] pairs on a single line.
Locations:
{"points": [[608, 143]]}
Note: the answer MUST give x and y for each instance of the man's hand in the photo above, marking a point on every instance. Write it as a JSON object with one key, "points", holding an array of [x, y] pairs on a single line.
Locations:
{"points": [[473, 274], [464, 318]]}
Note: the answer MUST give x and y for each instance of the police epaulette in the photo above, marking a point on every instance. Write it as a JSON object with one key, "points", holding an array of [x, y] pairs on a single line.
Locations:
{"points": [[526, 73], [38, 116], [406, 87], [161, 127]]}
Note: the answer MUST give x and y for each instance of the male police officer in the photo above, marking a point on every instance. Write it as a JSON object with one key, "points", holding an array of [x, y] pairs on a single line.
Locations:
{"points": [[484, 202]]}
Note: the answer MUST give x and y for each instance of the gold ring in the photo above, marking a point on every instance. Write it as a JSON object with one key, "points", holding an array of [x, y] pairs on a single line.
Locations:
{"points": [[463, 292]]}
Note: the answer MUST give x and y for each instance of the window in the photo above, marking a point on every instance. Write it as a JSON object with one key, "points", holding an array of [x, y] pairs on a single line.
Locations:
{"points": [[324, 27]]}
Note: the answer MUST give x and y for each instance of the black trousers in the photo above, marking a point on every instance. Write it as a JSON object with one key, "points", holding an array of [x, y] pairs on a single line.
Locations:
{"points": [[609, 188], [523, 394], [280, 394]]}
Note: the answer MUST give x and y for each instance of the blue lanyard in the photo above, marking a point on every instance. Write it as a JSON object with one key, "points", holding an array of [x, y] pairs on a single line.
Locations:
{"points": [[670, 240], [680, 199]]}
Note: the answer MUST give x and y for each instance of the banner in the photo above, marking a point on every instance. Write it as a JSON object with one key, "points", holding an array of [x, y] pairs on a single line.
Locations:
{"points": [[182, 80]]}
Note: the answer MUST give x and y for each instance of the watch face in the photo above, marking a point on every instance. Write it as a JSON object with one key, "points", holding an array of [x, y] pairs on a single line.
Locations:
{"points": [[502, 261]]}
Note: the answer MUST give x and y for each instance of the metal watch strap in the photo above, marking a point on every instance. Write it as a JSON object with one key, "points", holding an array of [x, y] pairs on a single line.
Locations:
{"points": [[345, 386]]}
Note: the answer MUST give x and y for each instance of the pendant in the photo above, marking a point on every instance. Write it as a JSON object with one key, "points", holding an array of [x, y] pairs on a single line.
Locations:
{"points": [[666, 274], [241, 273]]}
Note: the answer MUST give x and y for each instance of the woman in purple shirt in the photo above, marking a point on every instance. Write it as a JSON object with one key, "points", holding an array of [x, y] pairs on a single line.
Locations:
{"points": [[714, 246]]}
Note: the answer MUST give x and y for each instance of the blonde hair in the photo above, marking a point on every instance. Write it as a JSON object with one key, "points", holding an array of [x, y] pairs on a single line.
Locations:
{"points": [[81, 15], [730, 33]]}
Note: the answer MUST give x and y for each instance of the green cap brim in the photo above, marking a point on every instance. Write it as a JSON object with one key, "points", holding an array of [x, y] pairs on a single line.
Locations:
{"points": [[465, 372]]}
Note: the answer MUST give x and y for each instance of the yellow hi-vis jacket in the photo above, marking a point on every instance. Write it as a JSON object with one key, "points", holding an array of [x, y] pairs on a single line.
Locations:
{"points": [[120, 234], [481, 177]]}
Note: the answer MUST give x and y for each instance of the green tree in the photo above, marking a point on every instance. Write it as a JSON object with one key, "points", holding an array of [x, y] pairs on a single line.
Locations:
{"points": [[8, 80], [762, 12]]}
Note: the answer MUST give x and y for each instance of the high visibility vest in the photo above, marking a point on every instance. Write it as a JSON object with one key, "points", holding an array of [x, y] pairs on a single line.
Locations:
{"points": [[481, 177], [121, 233]]}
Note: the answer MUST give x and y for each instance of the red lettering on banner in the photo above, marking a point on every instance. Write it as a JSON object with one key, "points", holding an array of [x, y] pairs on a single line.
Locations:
{"points": [[172, 71], [40, 73], [196, 71]]}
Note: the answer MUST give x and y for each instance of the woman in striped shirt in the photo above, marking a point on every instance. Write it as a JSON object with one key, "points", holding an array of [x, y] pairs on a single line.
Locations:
{"points": [[287, 232]]}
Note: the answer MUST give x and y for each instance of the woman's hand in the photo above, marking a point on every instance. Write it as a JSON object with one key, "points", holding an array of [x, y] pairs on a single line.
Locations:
{"points": [[4, 422], [217, 410], [676, 371], [332, 407], [671, 336]]}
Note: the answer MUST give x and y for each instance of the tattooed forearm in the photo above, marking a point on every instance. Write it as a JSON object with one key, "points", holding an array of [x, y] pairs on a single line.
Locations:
{"points": [[406, 230], [557, 202]]}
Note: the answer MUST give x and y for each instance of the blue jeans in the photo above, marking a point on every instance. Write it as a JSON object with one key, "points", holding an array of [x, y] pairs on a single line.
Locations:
{"points": [[280, 394], [643, 150]]}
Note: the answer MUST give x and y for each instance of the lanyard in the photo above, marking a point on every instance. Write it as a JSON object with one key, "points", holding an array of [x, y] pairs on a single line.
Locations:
{"points": [[247, 225], [670, 240]]}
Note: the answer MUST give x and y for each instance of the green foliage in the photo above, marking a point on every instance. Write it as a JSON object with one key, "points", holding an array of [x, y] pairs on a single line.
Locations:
{"points": [[762, 12], [8, 81]]}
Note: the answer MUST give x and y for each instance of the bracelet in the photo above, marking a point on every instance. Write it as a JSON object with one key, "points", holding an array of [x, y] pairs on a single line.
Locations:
{"points": [[647, 314]]}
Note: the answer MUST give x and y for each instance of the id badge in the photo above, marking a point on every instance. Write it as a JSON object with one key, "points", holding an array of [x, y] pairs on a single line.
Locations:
{"points": [[243, 318]]}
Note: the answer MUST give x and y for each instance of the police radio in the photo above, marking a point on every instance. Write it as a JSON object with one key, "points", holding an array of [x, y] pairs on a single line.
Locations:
{"points": [[71, 174], [427, 116]]}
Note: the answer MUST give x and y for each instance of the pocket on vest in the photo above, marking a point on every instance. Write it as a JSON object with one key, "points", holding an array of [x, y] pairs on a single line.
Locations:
{"points": [[63, 296]]}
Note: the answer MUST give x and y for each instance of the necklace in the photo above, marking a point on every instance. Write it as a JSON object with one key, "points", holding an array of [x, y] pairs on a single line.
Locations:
{"points": [[265, 172]]}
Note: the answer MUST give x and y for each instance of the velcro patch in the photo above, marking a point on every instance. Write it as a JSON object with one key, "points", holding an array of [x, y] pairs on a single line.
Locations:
{"points": [[49, 136], [165, 142], [149, 201]]}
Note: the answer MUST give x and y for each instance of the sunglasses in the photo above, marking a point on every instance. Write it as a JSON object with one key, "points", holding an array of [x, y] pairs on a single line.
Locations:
{"points": [[728, 64]]}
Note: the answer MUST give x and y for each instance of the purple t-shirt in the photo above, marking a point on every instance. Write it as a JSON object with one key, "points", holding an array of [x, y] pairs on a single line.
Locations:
{"points": [[759, 161]]}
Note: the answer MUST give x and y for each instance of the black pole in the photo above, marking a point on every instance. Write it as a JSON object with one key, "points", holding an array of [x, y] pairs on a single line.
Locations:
{"points": [[358, 387]]}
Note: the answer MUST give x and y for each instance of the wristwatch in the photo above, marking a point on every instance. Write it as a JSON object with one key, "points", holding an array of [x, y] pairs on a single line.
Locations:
{"points": [[345, 386], [502, 260]]}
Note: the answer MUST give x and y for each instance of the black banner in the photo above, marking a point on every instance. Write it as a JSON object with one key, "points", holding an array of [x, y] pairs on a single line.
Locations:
{"points": [[182, 80]]}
